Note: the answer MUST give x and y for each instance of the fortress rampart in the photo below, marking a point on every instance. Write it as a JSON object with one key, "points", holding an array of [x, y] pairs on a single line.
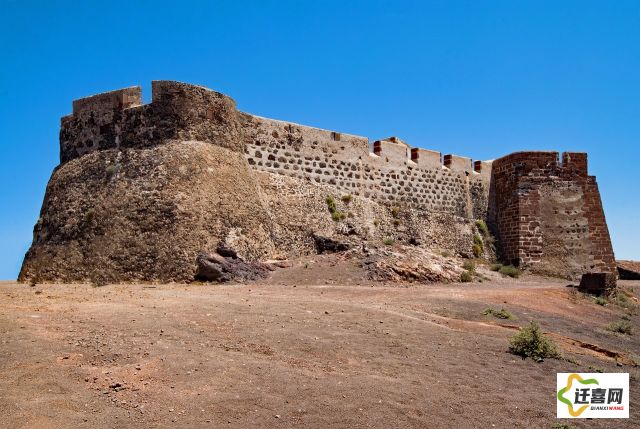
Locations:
{"points": [[545, 211], [388, 171]]}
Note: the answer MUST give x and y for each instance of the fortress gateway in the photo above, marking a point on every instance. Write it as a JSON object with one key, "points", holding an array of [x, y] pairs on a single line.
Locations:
{"points": [[142, 188]]}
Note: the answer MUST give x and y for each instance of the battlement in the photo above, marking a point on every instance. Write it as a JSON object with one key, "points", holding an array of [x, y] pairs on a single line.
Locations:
{"points": [[179, 110], [548, 162], [113, 100]]}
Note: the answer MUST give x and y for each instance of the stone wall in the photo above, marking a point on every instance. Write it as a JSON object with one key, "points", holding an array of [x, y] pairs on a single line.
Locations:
{"points": [[388, 171], [118, 120], [548, 215], [223, 176], [393, 174]]}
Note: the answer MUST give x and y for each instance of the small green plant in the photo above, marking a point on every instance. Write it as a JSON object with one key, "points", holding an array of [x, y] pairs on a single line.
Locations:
{"points": [[621, 327], [509, 270], [600, 300], [90, 215], [395, 211], [466, 277], [446, 254], [388, 241], [500, 314], [496, 267], [396, 222], [346, 198], [331, 204], [562, 426], [572, 360], [477, 250], [531, 342], [376, 222], [337, 216], [469, 266], [478, 247], [621, 300], [482, 227], [112, 170]]}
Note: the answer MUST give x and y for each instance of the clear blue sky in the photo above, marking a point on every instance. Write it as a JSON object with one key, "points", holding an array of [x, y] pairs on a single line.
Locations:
{"points": [[474, 78]]}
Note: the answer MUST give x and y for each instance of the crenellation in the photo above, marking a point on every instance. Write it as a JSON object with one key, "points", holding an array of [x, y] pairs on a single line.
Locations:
{"points": [[113, 100], [426, 158], [458, 163]]}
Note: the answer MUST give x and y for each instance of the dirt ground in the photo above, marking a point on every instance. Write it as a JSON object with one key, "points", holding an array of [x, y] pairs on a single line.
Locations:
{"points": [[294, 351]]}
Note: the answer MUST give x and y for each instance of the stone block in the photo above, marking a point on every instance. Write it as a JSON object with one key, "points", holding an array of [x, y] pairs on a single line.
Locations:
{"points": [[597, 283]]}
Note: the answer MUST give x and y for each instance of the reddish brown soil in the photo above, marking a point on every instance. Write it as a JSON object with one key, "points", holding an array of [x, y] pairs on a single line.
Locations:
{"points": [[291, 353]]}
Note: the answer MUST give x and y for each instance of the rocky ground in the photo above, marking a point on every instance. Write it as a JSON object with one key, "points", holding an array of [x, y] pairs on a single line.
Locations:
{"points": [[316, 344]]}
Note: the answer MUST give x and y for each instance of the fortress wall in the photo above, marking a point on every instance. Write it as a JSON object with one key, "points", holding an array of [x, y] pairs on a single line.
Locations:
{"points": [[388, 175], [178, 111], [548, 214], [389, 171], [112, 100], [240, 177]]}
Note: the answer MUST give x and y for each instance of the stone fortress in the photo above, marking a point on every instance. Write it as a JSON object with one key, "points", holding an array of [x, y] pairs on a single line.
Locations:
{"points": [[142, 188]]}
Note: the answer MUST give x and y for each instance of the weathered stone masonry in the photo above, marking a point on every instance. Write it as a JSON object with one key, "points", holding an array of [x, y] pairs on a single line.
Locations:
{"points": [[393, 173], [548, 214], [545, 213]]}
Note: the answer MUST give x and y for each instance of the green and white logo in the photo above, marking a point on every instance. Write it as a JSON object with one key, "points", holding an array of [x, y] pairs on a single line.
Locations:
{"points": [[592, 395]]}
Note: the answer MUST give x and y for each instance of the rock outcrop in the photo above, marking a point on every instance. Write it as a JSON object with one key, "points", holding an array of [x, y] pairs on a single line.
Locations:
{"points": [[629, 270]]}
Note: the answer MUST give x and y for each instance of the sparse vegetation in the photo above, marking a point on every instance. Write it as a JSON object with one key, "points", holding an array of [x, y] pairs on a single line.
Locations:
{"points": [[496, 267], [478, 247], [395, 211], [621, 327], [346, 198], [621, 300], [336, 215], [562, 426], [482, 227], [112, 170], [500, 314], [446, 254], [466, 277], [601, 300], [388, 241], [396, 222], [90, 215], [469, 266], [531, 342], [376, 222], [509, 270], [572, 360], [331, 204], [477, 250]]}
